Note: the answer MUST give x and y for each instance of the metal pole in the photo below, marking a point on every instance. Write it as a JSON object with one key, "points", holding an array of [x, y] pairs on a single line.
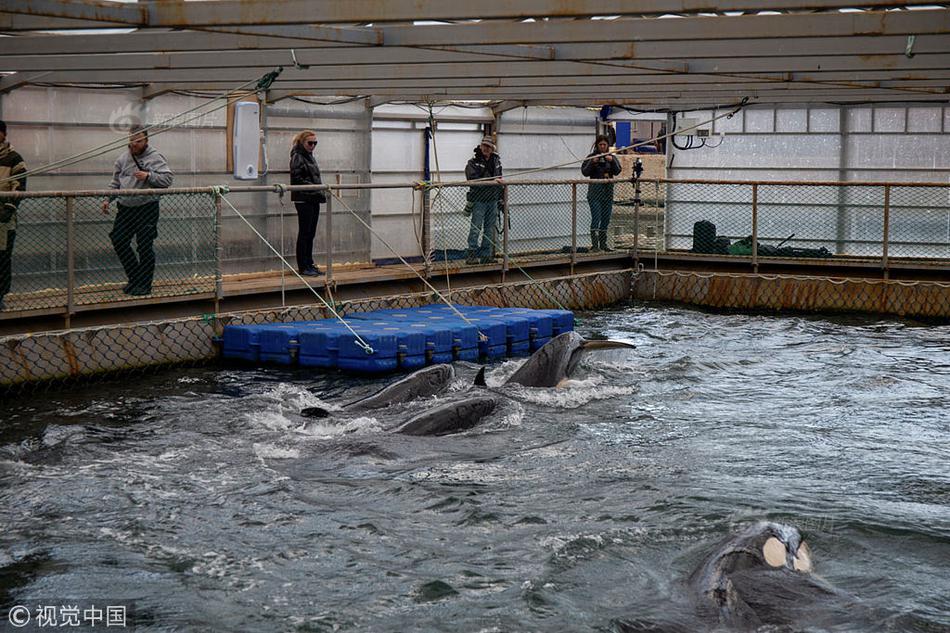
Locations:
{"points": [[218, 253], [887, 229], [755, 227], [70, 258], [329, 275], [283, 286], [636, 215], [426, 204], [504, 229], [573, 225], [841, 221]]}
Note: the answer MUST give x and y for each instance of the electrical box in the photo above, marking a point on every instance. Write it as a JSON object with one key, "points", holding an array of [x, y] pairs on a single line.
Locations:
{"points": [[246, 143]]}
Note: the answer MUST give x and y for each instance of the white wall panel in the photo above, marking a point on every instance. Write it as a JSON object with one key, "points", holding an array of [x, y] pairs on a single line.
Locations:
{"points": [[791, 120]]}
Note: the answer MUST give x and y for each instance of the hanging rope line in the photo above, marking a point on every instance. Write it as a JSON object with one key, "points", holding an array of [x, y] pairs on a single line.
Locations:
{"points": [[650, 141], [439, 199], [441, 297], [230, 96], [220, 191]]}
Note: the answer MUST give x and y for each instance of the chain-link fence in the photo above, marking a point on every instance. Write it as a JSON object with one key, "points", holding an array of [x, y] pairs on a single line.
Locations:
{"points": [[67, 255], [48, 360], [75, 251], [807, 220], [928, 300]]}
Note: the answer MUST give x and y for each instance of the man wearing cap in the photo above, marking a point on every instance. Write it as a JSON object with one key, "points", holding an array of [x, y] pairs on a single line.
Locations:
{"points": [[484, 201], [142, 167], [11, 164]]}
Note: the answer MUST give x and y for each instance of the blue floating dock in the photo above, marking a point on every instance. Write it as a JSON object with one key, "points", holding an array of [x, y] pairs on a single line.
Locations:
{"points": [[404, 339]]}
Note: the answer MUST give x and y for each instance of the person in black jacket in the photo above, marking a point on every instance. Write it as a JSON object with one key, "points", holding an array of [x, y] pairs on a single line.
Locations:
{"points": [[483, 201], [11, 165], [599, 166], [304, 171]]}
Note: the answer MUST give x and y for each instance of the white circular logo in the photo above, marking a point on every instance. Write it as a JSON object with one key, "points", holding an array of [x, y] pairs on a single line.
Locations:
{"points": [[19, 616]]}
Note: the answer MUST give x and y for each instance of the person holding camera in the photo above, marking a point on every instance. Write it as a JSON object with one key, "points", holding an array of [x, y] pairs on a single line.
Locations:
{"points": [[305, 171], [483, 201], [600, 165], [142, 167], [11, 164]]}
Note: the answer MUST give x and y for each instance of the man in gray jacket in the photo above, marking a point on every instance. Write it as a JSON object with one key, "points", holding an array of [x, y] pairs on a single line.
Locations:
{"points": [[141, 167]]}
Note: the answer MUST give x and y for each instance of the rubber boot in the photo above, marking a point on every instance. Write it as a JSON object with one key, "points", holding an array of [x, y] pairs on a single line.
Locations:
{"points": [[471, 257], [603, 242], [594, 241]]}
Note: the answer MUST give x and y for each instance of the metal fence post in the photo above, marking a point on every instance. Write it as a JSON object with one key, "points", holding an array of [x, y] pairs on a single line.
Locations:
{"points": [[755, 227], [504, 229], [70, 258], [328, 278], [636, 216], [573, 225], [218, 252], [425, 202], [887, 229]]}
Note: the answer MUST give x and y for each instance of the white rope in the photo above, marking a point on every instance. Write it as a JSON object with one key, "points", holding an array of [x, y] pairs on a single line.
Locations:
{"points": [[649, 141], [438, 198], [220, 191], [408, 265], [123, 140]]}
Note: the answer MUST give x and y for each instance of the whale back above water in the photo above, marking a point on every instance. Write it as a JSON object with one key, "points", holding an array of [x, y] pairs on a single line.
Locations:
{"points": [[424, 383], [557, 359], [452, 417]]}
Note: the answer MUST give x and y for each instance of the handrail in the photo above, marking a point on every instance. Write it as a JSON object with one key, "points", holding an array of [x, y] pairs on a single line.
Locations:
{"points": [[116, 193]]}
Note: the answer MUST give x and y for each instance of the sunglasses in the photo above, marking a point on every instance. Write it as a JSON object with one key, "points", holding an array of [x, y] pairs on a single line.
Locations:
{"points": [[309, 143]]}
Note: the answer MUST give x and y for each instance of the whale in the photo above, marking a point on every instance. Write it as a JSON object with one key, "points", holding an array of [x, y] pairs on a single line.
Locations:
{"points": [[555, 361], [763, 575], [451, 417], [426, 382]]}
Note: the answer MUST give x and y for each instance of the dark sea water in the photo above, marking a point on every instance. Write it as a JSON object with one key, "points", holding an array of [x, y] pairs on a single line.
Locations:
{"points": [[201, 499]]}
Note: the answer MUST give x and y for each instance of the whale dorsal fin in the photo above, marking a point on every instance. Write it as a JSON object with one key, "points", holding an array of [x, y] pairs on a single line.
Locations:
{"points": [[480, 378]]}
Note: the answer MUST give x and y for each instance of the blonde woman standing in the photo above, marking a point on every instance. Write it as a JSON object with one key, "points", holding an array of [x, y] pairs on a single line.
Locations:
{"points": [[305, 171]]}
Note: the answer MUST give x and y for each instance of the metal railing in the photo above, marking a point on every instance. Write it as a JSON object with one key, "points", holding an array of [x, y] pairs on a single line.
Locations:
{"points": [[64, 255]]}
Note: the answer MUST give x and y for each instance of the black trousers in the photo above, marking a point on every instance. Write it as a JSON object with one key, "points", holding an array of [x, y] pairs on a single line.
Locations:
{"points": [[308, 214], [6, 265], [140, 223]]}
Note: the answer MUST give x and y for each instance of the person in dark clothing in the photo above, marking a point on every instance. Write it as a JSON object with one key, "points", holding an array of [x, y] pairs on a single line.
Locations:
{"points": [[142, 167], [484, 202], [11, 164], [304, 171], [600, 165]]}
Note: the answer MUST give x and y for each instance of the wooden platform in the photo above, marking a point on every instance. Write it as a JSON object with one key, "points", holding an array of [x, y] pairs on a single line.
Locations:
{"points": [[101, 304]]}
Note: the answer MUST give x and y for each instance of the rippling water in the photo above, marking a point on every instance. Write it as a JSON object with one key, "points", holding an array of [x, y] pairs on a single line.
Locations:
{"points": [[203, 497]]}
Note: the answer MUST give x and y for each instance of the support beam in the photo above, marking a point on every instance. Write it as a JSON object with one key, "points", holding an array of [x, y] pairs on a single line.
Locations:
{"points": [[896, 66], [164, 42], [261, 12], [111, 12], [923, 22], [15, 22]]}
